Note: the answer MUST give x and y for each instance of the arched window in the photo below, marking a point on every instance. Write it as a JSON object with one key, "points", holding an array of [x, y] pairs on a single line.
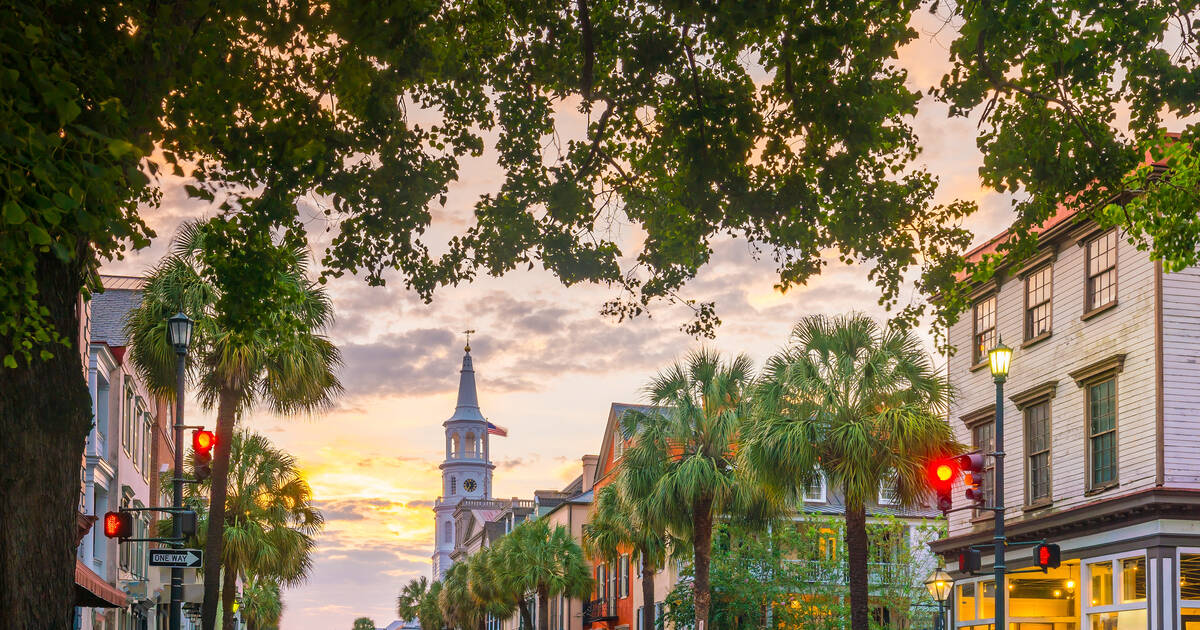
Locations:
{"points": [[448, 536], [470, 443], [455, 446]]}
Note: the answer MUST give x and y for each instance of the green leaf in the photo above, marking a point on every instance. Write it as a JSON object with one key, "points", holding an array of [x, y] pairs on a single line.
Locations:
{"points": [[13, 214], [120, 148], [10, 361]]}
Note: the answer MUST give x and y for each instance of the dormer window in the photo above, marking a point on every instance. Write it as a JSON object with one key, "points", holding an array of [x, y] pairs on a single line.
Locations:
{"points": [[814, 490]]}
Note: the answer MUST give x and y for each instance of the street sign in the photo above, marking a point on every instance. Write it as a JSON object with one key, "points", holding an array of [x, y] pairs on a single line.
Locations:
{"points": [[182, 558]]}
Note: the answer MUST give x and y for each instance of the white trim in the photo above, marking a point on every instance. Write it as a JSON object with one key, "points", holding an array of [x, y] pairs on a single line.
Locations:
{"points": [[823, 496]]}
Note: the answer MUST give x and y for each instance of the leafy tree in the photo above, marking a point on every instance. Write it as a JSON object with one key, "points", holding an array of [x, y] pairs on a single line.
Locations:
{"points": [[493, 594], [507, 579], [275, 355], [409, 600], [364, 623], [262, 605], [786, 123], [859, 403], [682, 461], [618, 524], [272, 523]]}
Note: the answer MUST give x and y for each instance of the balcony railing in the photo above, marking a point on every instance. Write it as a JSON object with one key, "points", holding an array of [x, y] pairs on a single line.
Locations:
{"points": [[878, 573], [599, 610]]}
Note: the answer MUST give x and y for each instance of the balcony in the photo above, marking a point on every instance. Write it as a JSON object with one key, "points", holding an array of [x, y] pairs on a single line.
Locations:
{"points": [[878, 573], [599, 610]]}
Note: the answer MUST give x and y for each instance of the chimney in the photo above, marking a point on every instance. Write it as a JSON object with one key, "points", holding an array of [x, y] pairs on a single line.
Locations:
{"points": [[589, 471]]}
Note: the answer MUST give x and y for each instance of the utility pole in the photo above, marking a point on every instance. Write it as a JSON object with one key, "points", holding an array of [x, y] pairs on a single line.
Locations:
{"points": [[179, 330], [999, 359]]}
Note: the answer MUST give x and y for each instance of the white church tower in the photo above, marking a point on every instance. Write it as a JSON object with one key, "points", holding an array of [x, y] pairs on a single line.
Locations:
{"points": [[467, 469]]}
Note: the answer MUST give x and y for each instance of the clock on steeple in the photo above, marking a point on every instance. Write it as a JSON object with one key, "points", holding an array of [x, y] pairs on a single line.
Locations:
{"points": [[469, 485]]}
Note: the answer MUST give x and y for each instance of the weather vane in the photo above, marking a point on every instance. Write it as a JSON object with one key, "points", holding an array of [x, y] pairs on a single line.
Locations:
{"points": [[468, 333]]}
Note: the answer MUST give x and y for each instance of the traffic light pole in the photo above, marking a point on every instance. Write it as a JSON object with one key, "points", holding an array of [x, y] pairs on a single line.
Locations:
{"points": [[998, 513], [177, 528]]}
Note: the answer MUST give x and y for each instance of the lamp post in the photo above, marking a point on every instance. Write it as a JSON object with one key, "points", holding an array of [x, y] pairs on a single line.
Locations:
{"points": [[179, 333], [939, 584], [999, 359]]}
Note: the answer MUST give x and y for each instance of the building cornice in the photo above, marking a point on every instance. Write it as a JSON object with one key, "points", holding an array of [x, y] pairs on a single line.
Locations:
{"points": [[1035, 394], [1099, 369]]}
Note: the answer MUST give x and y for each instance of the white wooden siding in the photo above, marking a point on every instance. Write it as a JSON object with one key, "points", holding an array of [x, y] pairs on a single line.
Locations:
{"points": [[1128, 329], [1181, 378]]}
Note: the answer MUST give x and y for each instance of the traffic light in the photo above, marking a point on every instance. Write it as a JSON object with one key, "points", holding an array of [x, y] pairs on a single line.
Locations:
{"points": [[118, 524], [969, 560], [972, 466], [941, 477], [1047, 556], [202, 445]]}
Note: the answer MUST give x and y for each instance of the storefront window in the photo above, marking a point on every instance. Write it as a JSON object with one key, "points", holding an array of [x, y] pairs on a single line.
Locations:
{"points": [[1189, 576], [1052, 596], [966, 602], [987, 602], [1133, 580], [1122, 620], [1189, 618], [1101, 580]]}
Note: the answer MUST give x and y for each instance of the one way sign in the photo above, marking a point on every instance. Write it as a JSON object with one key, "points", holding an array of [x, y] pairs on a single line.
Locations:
{"points": [[182, 558]]}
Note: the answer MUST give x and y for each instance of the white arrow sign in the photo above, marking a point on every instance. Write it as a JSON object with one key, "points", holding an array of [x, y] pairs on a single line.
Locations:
{"points": [[182, 558]]}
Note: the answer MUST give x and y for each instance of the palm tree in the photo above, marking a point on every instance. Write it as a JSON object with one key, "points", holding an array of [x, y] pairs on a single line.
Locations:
{"points": [[487, 589], [429, 611], [363, 623], [270, 352], [409, 601], [270, 532], [545, 561], [618, 524], [460, 608], [682, 462], [861, 404], [261, 604], [508, 578]]}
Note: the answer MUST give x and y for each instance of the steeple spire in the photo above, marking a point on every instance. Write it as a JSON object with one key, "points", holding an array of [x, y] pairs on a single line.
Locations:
{"points": [[468, 399]]}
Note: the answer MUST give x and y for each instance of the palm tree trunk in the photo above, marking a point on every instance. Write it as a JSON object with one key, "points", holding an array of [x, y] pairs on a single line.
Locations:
{"points": [[702, 526], [543, 595], [45, 416], [526, 618], [228, 591], [647, 594], [856, 551], [214, 546]]}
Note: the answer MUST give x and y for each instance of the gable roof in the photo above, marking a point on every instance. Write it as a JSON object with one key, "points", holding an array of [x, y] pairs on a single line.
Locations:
{"points": [[615, 412]]}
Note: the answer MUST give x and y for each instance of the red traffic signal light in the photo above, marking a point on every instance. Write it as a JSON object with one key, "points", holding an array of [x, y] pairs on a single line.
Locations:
{"points": [[969, 560], [118, 524], [202, 445], [972, 465], [203, 441], [1047, 556], [942, 473]]}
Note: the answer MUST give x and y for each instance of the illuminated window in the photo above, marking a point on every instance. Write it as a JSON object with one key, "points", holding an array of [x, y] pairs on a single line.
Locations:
{"points": [[987, 600], [985, 327], [1133, 580], [1189, 576], [966, 601], [1100, 576], [1102, 270], [1102, 432], [1037, 448], [1038, 302]]}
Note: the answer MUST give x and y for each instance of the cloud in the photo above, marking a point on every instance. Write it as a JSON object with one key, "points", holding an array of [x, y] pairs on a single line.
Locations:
{"points": [[352, 509], [415, 362]]}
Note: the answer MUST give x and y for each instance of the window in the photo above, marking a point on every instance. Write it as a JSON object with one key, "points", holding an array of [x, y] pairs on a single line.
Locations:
{"points": [[1037, 302], [1102, 433], [624, 576], [1101, 271], [448, 532], [985, 328], [1116, 596], [827, 542], [641, 624], [983, 439], [127, 421], [453, 486], [1037, 449], [618, 445], [1189, 576], [814, 490], [887, 491], [602, 582]]}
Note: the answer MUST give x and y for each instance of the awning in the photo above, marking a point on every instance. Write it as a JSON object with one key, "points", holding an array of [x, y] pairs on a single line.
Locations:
{"points": [[91, 591]]}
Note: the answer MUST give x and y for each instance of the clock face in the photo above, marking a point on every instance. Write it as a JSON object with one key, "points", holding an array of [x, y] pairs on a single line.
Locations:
{"points": [[469, 485]]}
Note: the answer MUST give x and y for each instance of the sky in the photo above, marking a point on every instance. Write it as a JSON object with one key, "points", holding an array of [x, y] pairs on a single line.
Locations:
{"points": [[547, 364]]}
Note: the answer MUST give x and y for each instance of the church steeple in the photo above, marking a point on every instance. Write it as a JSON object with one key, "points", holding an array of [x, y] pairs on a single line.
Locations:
{"points": [[468, 399]]}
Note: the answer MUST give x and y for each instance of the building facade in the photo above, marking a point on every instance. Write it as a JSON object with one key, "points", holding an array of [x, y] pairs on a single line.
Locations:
{"points": [[1102, 434], [466, 469], [128, 447]]}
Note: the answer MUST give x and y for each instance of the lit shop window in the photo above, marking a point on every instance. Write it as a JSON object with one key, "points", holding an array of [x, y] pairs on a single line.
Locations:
{"points": [[1116, 597]]}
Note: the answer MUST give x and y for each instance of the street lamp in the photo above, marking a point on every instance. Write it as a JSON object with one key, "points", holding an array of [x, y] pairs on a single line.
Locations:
{"points": [[179, 333], [940, 584], [999, 359]]}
